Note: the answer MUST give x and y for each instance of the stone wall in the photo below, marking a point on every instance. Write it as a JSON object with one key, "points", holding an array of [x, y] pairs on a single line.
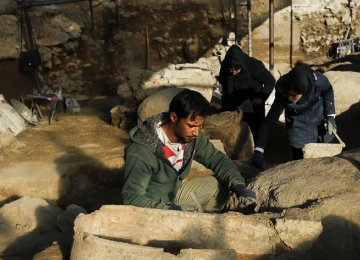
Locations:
{"points": [[307, 29], [83, 61]]}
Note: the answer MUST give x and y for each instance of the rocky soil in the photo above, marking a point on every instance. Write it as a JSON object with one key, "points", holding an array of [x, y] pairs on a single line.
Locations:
{"points": [[78, 160], [51, 173]]}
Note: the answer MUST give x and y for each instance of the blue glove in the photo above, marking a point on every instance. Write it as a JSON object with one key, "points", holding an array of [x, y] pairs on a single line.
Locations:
{"points": [[245, 196], [331, 125], [259, 160]]}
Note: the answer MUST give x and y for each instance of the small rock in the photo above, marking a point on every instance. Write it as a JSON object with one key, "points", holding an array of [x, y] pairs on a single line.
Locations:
{"points": [[29, 213]]}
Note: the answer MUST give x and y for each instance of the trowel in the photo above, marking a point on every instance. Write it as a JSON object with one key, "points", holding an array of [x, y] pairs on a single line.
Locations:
{"points": [[318, 150]]}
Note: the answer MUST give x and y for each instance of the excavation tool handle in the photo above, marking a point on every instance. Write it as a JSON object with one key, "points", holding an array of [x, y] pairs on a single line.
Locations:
{"points": [[339, 139], [196, 201], [337, 136]]}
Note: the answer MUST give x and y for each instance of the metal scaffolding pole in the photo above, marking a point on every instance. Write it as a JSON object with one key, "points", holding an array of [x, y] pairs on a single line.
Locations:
{"points": [[291, 33], [147, 48], [235, 21], [229, 13], [249, 26], [271, 35]]}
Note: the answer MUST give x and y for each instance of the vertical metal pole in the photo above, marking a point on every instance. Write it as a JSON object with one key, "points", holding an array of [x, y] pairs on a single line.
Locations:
{"points": [[147, 48], [271, 35], [229, 13], [117, 18], [92, 17], [235, 21], [249, 27], [291, 33]]}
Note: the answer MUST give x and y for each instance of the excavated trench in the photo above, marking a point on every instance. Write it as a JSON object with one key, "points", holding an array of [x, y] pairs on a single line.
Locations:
{"points": [[308, 209]]}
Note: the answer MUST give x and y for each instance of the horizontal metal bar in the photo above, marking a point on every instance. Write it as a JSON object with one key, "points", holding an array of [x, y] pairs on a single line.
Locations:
{"points": [[31, 3]]}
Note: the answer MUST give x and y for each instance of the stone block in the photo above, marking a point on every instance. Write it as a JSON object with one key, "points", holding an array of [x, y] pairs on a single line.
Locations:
{"points": [[27, 214], [89, 247], [169, 229], [298, 234]]}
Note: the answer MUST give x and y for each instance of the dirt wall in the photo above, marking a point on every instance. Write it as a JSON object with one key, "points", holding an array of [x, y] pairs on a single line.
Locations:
{"points": [[86, 54]]}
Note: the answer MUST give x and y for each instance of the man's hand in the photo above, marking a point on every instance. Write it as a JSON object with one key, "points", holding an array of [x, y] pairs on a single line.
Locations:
{"points": [[245, 196], [259, 160], [331, 125]]}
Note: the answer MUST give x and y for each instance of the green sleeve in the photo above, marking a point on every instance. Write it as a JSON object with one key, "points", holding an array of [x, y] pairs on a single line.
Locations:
{"points": [[138, 172], [222, 166]]}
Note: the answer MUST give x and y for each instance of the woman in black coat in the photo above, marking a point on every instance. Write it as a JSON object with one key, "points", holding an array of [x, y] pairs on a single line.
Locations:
{"points": [[243, 77], [308, 100]]}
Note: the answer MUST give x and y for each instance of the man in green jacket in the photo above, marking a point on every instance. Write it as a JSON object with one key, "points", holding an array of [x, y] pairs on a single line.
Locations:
{"points": [[159, 158]]}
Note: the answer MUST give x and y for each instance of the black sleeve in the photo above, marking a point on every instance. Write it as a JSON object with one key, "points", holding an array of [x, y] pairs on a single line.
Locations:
{"points": [[222, 74], [327, 93], [271, 119], [261, 75]]}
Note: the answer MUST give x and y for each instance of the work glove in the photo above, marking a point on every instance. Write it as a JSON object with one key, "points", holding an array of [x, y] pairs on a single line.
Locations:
{"points": [[331, 125], [245, 196], [187, 208], [259, 160]]}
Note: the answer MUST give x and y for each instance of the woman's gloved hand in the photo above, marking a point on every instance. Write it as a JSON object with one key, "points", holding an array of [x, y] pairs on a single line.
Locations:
{"points": [[259, 160], [331, 125]]}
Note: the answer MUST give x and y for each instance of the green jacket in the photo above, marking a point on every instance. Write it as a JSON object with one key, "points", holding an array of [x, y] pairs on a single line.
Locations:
{"points": [[150, 180]]}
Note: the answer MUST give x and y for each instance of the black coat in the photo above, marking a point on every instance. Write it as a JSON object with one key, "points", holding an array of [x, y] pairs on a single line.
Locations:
{"points": [[305, 119], [254, 80]]}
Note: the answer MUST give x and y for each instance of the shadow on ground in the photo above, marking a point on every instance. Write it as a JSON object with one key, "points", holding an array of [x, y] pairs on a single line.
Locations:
{"points": [[84, 181]]}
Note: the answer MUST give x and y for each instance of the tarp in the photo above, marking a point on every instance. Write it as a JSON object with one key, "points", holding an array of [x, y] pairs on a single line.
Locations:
{"points": [[9, 118]]}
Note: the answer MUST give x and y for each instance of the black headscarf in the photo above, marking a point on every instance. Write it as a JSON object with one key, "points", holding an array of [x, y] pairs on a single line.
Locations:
{"points": [[235, 53], [301, 79], [243, 80]]}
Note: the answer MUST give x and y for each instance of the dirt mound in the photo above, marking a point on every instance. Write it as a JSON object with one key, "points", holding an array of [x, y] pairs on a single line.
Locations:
{"points": [[326, 190]]}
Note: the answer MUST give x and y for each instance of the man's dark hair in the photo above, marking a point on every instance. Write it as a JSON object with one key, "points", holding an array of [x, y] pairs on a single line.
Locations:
{"points": [[190, 102]]}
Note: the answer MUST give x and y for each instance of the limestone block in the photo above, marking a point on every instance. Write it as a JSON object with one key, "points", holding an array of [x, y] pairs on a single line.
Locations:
{"points": [[298, 234], [319, 150], [144, 83], [213, 63], [197, 65], [28, 213], [169, 229], [89, 247], [189, 78], [156, 103]]}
